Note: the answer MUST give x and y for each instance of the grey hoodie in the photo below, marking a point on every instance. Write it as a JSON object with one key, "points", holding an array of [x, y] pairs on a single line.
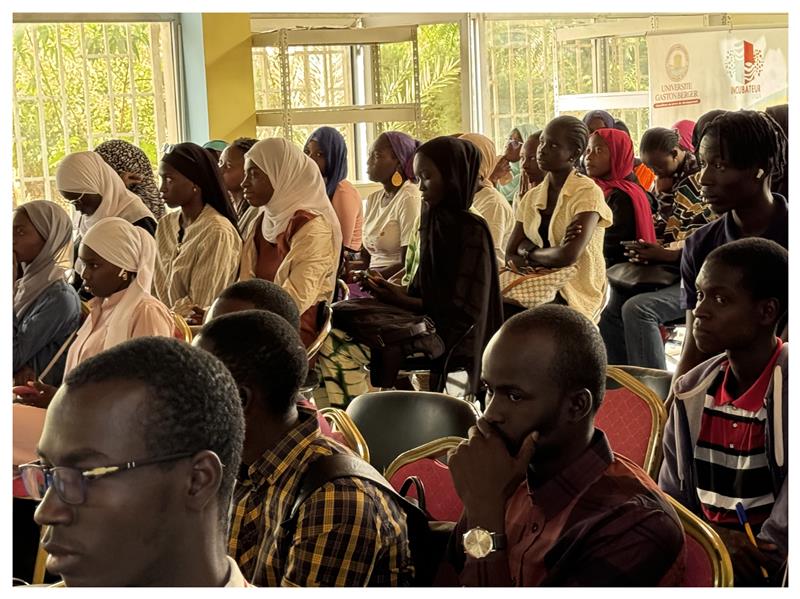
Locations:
{"points": [[677, 476]]}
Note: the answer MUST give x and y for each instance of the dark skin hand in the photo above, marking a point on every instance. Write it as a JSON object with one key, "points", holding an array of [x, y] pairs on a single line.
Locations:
{"points": [[643, 252], [387, 292], [747, 559], [486, 475], [41, 399]]}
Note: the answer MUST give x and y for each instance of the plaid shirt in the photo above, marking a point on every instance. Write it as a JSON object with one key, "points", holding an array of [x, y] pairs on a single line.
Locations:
{"points": [[349, 533], [600, 522]]}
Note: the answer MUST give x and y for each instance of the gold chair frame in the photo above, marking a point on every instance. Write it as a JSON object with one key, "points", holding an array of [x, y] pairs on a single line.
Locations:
{"points": [[340, 420], [323, 334], [183, 327], [426, 450]]}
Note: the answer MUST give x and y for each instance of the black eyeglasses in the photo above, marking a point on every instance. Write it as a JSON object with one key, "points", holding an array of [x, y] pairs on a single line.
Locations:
{"points": [[70, 483]]}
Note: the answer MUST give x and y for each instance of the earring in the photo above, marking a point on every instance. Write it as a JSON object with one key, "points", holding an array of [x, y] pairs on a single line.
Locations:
{"points": [[123, 274], [760, 173], [194, 188], [397, 179]]}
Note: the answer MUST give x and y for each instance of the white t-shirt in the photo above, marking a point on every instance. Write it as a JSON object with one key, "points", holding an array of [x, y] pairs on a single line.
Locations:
{"points": [[388, 225], [496, 211]]}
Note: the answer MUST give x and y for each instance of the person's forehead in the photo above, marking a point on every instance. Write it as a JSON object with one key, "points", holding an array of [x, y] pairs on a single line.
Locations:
{"points": [[227, 305], [714, 273], [21, 218], [97, 416], [519, 357]]}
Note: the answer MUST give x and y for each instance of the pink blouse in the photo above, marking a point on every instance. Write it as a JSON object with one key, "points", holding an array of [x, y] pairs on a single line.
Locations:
{"points": [[350, 210]]}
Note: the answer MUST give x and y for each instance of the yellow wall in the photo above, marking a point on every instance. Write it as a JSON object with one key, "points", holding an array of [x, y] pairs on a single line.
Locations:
{"points": [[229, 75]]}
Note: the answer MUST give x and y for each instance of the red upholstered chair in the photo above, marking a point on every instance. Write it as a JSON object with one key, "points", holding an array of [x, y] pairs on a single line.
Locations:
{"points": [[707, 561], [344, 430], [441, 500], [633, 419]]}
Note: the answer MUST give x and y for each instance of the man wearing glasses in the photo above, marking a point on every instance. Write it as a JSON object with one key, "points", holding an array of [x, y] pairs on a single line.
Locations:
{"points": [[136, 468]]}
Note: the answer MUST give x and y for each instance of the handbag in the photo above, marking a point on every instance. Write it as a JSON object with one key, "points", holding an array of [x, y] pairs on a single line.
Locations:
{"points": [[537, 288], [641, 278]]}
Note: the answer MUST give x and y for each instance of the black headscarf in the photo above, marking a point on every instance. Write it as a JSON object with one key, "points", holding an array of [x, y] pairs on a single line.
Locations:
{"points": [[457, 275], [201, 168]]}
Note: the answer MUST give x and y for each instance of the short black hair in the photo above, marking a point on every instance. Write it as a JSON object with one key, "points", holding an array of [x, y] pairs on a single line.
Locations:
{"points": [[244, 143], [261, 350], [701, 123], [193, 402], [748, 139], [659, 139], [620, 125], [264, 295], [580, 360], [577, 132], [763, 264]]}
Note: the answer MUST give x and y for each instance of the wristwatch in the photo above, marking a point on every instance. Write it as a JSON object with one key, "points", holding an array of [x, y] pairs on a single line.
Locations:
{"points": [[479, 542]]}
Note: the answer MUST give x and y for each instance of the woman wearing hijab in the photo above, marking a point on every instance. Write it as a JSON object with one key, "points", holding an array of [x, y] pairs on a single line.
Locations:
{"points": [[609, 161], [327, 148], [392, 213], [198, 246], [231, 166], [135, 170], [643, 174], [456, 284], [118, 261], [506, 175], [295, 241], [47, 309], [598, 119], [488, 202]]}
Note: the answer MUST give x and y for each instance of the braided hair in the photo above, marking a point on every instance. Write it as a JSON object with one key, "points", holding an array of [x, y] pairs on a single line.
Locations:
{"points": [[659, 139], [701, 123], [748, 138], [577, 132]]}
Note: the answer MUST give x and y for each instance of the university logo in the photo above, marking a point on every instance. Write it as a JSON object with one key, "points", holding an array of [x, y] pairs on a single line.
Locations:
{"points": [[677, 63], [743, 63]]}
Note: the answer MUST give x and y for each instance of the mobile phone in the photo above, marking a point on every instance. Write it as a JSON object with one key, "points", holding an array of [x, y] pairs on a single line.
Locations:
{"points": [[629, 244], [24, 390]]}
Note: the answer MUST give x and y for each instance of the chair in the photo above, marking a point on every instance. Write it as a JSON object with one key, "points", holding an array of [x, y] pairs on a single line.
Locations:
{"points": [[395, 421], [182, 330], [707, 561], [341, 423], [633, 419], [342, 291], [658, 381], [326, 317], [441, 499]]}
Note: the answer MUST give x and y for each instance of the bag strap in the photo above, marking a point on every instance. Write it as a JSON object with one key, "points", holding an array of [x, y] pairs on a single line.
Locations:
{"points": [[417, 483]]}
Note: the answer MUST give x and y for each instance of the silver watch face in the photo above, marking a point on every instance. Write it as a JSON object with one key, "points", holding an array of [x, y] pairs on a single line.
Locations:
{"points": [[478, 542]]}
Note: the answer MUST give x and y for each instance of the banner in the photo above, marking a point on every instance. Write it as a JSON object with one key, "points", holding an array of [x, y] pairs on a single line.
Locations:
{"points": [[692, 73]]}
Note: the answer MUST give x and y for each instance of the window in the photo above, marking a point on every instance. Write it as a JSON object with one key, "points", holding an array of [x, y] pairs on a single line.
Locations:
{"points": [[77, 85]]}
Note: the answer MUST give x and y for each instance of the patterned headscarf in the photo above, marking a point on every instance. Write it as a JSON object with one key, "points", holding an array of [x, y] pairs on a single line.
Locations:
{"points": [[123, 156]]}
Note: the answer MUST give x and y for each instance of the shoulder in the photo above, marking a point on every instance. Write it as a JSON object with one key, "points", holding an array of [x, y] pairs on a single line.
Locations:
{"points": [[154, 308], [705, 238], [218, 225], [347, 190], [699, 378], [408, 193], [580, 183], [62, 293]]}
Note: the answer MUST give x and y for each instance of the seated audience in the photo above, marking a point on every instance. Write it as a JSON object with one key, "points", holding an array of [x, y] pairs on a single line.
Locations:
{"points": [[487, 201], [198, 246], [140, 449], [295, 241], [507, 173], [740, 153], [118, 270], [546, 500], [349, 532], [47, 310], [609, 161], [564, 198], [533, 175], [327, 148], [392, 212], [631, 322], [231, 166], [215, 147], [643, 174], [702, 122], [134, 168], [456, 283], [727, 433], [598, 119]]}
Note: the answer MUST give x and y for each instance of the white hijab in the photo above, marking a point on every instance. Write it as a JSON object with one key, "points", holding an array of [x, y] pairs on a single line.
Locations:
{"points": [[298, 185], [53, 224], [133, 249], [87, 172]]}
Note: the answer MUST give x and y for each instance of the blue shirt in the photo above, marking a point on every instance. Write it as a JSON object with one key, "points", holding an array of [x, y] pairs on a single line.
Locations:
{"points": [[44, 327], [719, 232]]}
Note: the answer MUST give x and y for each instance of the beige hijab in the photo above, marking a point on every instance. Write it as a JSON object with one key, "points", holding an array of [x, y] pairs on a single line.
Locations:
{"points": [[488, 154], [298, 185], [87, 172], [53, 224]]}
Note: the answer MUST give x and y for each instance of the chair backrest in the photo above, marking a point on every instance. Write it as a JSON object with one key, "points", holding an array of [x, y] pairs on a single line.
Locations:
{"points": [[341, 423], [441, 499], [182, 330], [633, 419], [323, 333], [708, 563], [658, 381], [395, 421]]}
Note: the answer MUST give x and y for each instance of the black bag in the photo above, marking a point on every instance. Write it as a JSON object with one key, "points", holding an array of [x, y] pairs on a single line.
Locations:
{"points": [[640, 278], [427, 539], [391, 333]]}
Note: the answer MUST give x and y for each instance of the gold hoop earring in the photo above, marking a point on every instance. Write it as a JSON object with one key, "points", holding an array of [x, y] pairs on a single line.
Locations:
{"points": [[397, 179]]}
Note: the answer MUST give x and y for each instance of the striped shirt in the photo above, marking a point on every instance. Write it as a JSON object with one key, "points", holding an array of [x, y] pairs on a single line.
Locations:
{"points": [[600, 522], [681, 209], [349, 533], [731, 457], [195, 271]]}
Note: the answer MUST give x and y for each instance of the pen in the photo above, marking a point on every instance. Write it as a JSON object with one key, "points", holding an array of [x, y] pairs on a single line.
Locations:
{"points": [[749, 532]]}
